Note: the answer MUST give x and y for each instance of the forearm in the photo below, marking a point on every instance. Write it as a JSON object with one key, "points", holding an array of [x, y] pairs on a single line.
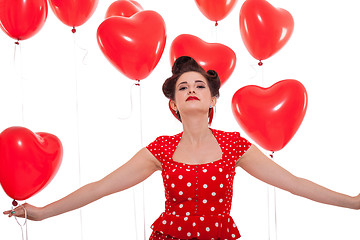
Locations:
{"points": [[261, 167], [305, 188], [77, 199]]}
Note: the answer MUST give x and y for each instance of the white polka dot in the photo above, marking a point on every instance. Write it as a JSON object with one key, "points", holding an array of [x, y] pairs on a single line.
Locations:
{"points": [[207, 229], [221, 185], [205, 170], [220, 169], [194, 224], [180, 177], [181, 193], [198, 234], [186, 218], [204, 201], [188, 184], [173, 212], [233, 235], [172, 185], [187, 214], [213, 178], [179, 228], [201, 218], [212, 209], [216, 224], [213, 193], [188, 234], [164, 222], [181, 206], [221, 200], [205, 186], [189, 198]]}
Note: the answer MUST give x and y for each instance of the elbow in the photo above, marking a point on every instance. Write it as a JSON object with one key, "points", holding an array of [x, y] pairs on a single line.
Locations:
{"points": [[292, 185], [97, 190]]}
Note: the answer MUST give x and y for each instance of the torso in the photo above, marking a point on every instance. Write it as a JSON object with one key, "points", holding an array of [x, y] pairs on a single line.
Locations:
{"points": [[198, 183]]}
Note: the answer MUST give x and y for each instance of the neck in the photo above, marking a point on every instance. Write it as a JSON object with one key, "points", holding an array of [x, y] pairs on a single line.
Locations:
{"points": [[195, 129]]}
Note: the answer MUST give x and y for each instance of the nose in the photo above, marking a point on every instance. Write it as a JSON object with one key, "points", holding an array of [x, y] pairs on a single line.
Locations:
{"points": [[191, 91]]}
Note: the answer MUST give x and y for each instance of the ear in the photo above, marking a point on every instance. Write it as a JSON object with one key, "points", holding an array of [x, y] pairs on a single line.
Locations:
{"points": [[172, 104], [213, 101]]}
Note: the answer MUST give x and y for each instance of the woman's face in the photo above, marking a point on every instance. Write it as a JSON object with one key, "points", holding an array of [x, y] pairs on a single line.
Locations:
{"points": [[192, 93]]}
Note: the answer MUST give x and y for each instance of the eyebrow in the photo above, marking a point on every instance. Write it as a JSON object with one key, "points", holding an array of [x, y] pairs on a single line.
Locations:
{"points": [[196, 81]]}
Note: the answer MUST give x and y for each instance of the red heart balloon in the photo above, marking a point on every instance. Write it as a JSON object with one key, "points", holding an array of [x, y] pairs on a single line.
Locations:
{"points": [[133, 45], [271, 116], [215, 10], [211, 56], [123, 8], [73, 13], [264, 29], [28, 161], [21, 19]]}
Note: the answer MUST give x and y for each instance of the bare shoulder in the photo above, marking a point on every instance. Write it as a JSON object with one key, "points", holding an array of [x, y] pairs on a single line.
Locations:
{"points": [[252, 153], [146, 155]]}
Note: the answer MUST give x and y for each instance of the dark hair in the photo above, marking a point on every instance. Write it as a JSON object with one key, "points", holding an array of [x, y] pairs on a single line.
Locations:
{"points": [[185, 64]]}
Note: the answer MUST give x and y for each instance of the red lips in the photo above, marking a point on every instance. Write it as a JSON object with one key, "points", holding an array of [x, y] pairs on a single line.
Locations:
{"points": [[192, 98]]}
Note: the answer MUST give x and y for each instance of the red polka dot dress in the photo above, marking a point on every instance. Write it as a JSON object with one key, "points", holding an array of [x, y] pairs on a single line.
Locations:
{"points": [[198, 196]]}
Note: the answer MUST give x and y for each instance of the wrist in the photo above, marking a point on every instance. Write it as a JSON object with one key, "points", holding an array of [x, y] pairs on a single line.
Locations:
{"points": [[356, 202]]}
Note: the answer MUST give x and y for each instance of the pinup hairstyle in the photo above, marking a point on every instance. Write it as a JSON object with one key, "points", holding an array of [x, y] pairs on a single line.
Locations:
{"points": [[185, 64]]}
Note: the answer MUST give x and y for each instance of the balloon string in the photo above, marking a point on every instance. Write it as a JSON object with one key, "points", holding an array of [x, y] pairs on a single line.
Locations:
{"points": [[258, 73], [81, 48], [131, 103], [77, 128], [23, 226], [214, 33], [141, 142], [18, 71], [142, 184], [272, 213]]}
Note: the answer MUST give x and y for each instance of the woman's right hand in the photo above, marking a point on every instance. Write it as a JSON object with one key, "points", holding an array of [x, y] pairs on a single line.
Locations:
{"points": [[32, 212]]}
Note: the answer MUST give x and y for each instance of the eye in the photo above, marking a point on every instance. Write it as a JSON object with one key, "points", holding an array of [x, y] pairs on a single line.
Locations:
{"points": [[200, 86], [182, 88]]}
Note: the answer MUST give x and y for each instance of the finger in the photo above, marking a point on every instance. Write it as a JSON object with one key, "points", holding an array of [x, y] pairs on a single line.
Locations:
{"points": [[7, 212], [17, 212]]}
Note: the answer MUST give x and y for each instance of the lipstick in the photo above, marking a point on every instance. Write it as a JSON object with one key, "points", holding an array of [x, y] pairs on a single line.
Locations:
{"points": [[192, 98]]}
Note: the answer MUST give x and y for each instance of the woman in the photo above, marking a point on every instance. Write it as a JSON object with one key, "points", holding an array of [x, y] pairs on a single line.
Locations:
{"points": [[198, 168]]}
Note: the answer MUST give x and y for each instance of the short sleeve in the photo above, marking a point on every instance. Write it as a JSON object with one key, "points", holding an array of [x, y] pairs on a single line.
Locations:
{"points": [[154, 148], [242, 144]]}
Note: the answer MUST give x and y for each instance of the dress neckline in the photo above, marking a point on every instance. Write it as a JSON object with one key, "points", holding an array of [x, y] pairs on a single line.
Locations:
{"points": [[179, 136]]}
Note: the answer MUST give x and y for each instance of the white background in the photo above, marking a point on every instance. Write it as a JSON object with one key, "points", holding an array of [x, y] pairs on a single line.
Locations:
{"points": [[323, 53]]}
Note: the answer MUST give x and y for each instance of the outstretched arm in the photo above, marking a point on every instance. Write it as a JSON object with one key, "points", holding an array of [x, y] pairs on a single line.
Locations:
{"points": [[136, 170], [260, 166]]}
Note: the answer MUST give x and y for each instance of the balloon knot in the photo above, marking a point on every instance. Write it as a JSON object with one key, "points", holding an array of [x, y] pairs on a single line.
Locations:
{"points": [[73, 30], [216, 23], [137, 83], [260, 63], [14, 203], [17, 43], [272, 154]]}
